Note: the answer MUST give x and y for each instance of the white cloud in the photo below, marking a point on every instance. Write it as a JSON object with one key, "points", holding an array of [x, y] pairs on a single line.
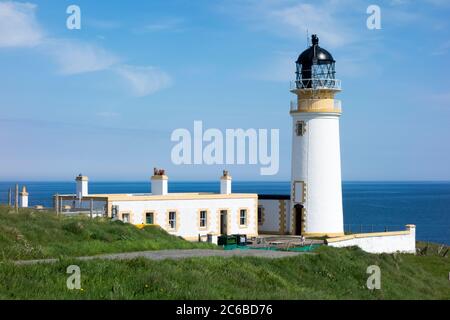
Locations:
{"points": [[144, 81], [20, 28], [293, 19], [279, 68], [75, 57], [301, 18], [18, 25]]}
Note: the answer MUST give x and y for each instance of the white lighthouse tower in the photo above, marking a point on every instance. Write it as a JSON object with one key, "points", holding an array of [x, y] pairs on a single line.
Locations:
{"points": [[316, 200]]}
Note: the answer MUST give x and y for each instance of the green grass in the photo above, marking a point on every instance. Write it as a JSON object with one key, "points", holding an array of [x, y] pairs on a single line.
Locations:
{"points": [[31, 234], [331, 274]]}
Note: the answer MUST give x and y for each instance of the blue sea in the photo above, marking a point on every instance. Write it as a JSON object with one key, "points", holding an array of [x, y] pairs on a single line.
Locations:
{"points": [[368, 206]]}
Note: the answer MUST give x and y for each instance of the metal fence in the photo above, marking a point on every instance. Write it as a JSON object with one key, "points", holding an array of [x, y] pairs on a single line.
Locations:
{"points": [[370, 228], [73, 206]]}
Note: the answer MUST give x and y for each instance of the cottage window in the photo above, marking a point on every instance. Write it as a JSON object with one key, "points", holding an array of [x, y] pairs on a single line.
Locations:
{"points": [[172, 220], [203, 219], [126, 217], [149, 218], [243, 217]]}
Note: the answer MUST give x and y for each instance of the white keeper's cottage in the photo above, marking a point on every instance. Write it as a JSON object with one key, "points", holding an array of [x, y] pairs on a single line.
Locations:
{"points": [[192, 216]]}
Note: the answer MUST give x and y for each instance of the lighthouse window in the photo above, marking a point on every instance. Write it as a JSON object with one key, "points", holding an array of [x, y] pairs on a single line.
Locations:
{"points": [[243, 217], [172, 220], [300, 129]]}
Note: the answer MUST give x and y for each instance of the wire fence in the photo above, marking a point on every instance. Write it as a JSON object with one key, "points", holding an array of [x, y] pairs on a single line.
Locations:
{"points": [[370, 228]]}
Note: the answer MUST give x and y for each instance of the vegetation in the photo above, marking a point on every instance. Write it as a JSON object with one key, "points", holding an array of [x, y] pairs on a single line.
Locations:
{"points": [[32, 234], [331, 274]]}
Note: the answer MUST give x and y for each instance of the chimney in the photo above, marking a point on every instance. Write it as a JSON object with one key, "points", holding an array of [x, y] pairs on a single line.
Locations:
{"points": [[225, 183], [82, 186], [23, 198], [159, 182]]}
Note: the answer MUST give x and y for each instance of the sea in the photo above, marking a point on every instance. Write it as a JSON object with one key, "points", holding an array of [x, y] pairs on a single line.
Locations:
{"points": [[368, 206]]}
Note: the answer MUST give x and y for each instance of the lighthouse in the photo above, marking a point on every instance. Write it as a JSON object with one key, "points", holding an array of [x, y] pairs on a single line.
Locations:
{"points": [[316, 187]]}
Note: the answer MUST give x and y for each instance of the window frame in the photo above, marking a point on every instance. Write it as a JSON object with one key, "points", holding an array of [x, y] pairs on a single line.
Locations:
{"points": [[205, 219], [176, 220], [129, 214], [153, 217], [300, 124], [245, 217]]}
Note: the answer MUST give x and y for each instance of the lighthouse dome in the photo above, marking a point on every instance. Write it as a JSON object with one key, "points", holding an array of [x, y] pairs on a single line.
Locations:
{"points": [[315, 55], [316, 68]]}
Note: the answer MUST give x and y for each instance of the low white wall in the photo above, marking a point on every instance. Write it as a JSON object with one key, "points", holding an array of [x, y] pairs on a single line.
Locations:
{"points": [[382, 242]]}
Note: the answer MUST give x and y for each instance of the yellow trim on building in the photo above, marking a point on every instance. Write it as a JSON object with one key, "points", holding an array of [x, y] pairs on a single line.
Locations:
{"points": [[159, 178], [262, 214], [323, 234], [282, 216], [170, 196], [368, 235]]}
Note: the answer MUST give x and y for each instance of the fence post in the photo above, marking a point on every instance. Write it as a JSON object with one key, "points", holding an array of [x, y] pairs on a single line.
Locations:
{"points": [[57, 204], [10, 197], [16, 200], [92, 208]]}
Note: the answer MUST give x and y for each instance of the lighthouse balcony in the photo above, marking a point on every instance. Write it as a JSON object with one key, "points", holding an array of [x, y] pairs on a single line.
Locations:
{"points": [[316, 84], [317, 105]]}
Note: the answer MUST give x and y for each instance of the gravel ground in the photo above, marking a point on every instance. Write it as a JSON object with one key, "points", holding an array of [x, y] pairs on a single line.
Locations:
{"points": [[177, 254]]}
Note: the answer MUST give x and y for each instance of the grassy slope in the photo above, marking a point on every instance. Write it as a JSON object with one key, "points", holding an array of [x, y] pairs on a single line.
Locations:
{"points": [[32, 235], [331, 274]]}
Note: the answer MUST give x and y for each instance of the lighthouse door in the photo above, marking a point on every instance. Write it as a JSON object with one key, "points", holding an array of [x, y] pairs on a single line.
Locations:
{"points": [[298, 219]]}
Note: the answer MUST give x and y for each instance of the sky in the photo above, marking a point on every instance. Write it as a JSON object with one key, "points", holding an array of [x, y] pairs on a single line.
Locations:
{"points": [[105, 99]]}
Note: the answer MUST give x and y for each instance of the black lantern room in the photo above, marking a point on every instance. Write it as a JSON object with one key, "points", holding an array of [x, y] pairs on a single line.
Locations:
{"points": [[315, 68]]}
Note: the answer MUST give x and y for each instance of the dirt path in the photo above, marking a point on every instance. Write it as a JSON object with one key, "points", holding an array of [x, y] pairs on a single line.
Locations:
{"points": [[177, 254]]}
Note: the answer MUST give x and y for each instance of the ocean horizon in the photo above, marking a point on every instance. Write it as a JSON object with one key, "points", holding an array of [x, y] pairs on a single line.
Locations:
{"points": [[368, 205]]}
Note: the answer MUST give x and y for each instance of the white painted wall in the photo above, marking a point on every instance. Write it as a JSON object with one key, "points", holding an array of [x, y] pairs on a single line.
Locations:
{"points": [[187, 220], [23, 201], [272, 215], [82, 188], [159, 185], [316, 160], [405, 243], [225, 185]]}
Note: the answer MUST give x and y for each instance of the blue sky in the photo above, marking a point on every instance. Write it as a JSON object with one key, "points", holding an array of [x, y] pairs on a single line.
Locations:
{"points": [[105, 99]]}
